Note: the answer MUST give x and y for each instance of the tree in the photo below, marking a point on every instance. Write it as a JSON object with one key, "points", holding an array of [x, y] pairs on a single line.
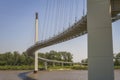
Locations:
{"points": [[118, 55], [84, 61], [117, 60], [116, 63], [16, 58]]}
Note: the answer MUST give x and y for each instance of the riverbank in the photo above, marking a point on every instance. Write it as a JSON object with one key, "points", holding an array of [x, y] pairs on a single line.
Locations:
{"points": [[68, 68], [27, 67], [23, 67], [75, 68], [116, 67]]}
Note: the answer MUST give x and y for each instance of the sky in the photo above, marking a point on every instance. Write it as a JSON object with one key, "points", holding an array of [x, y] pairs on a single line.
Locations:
{"points": [[17, 25]]}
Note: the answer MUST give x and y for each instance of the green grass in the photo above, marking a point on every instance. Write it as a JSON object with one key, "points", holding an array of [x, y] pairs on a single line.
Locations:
{"points": [[23, 67], [77, 67], [27, 67], [116, 67]]}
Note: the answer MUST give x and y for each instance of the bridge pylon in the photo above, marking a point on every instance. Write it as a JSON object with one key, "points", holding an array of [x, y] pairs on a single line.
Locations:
{"points": [[100, 50], [36, 40]]}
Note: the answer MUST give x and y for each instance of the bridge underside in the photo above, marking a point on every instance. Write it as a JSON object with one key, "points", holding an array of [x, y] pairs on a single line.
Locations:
{"points": [[76, 30], [115, 5], [99, 32]]}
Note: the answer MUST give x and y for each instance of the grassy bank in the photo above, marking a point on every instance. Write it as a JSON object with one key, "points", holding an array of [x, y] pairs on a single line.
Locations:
{"points": [[26, 67], [23, 67], [68, 68], [74, 68], [116, 67]]}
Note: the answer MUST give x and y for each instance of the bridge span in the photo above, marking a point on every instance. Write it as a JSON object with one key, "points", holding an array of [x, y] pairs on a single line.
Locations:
{"points": [[77, 29], [97, 23]]}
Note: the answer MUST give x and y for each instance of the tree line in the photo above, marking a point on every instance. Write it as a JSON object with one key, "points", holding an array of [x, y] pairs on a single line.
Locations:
{"points": [[54, 55], [60, 56], [116, 60], [17, 59]]}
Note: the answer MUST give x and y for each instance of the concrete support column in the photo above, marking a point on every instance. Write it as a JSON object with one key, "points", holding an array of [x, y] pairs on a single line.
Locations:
{"points": [[36, 27], [71, 64], [62, 64], [36, 40], [36, 63], [100, 50], [53, 64], [45, 64]]}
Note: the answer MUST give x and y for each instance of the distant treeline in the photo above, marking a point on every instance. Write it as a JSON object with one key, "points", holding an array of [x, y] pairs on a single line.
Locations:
{"points": [[116, 60], [19, 59], [15, 59], [54, 55], [60, 56]]}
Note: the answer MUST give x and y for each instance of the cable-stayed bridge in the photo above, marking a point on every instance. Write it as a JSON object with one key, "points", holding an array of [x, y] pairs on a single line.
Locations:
{"points": [[77, 29], [97, 23]]}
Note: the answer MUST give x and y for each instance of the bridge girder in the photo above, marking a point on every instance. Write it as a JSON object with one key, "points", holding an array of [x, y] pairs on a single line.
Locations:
{"points": [[77, 29]]}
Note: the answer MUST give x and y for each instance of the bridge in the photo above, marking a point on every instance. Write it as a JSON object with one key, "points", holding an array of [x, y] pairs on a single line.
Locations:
{"points": [[55, 61], [97, 23]]}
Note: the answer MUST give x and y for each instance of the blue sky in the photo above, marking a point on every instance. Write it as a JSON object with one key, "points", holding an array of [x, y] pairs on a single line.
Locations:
{"points": [[17, 25]]}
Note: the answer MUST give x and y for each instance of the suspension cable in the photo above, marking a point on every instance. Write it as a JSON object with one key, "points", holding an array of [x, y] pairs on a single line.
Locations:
{"points": [[45, 19], [57, 15], [76, 12], [50, 19], [83, 7], [70, 12], [53, 19], [62, 15]]}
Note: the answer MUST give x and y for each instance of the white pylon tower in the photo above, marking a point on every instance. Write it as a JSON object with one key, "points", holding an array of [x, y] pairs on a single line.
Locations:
{"points": [[36, 40]]}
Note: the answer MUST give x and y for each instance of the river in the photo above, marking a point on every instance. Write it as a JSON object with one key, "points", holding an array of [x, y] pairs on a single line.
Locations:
{"points": [[49, 75]]}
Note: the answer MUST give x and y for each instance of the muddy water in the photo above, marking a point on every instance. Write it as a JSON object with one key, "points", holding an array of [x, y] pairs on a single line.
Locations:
{"points": [[48, 75]]}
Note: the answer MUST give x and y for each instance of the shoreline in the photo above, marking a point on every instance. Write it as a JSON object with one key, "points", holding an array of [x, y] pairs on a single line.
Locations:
{"points": [[26, 67]]}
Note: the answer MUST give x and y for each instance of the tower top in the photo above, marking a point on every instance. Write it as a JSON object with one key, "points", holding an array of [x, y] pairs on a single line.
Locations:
{"points": [[36, 14]]}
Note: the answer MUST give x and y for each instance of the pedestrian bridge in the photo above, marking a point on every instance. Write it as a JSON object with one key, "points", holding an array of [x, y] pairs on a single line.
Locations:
{"points": [[97, 23], [77, 29]]}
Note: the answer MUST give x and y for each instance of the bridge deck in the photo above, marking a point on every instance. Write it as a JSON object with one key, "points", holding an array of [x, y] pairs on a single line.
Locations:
{"points": [[77, 29]]}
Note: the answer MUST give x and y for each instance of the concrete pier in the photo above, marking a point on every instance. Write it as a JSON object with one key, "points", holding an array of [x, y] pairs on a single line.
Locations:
{"points": [[53, 64], [45, 64], [100, 50], [36, 40]]}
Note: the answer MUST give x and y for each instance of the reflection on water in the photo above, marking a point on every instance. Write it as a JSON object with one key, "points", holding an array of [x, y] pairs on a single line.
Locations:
{"points": [[24, 76], [15, 75], [61, 75], [48, 75]]}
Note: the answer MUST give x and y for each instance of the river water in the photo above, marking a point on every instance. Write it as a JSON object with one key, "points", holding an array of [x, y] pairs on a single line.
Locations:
{"points": [[49, 75]]}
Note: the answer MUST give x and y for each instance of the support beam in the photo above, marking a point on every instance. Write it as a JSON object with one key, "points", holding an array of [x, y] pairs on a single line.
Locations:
{"points": [[71, 64], [53, 64], [115, 7], [45, 64], [36, 63], [62, 64], [36, 40], [100, 50]]}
